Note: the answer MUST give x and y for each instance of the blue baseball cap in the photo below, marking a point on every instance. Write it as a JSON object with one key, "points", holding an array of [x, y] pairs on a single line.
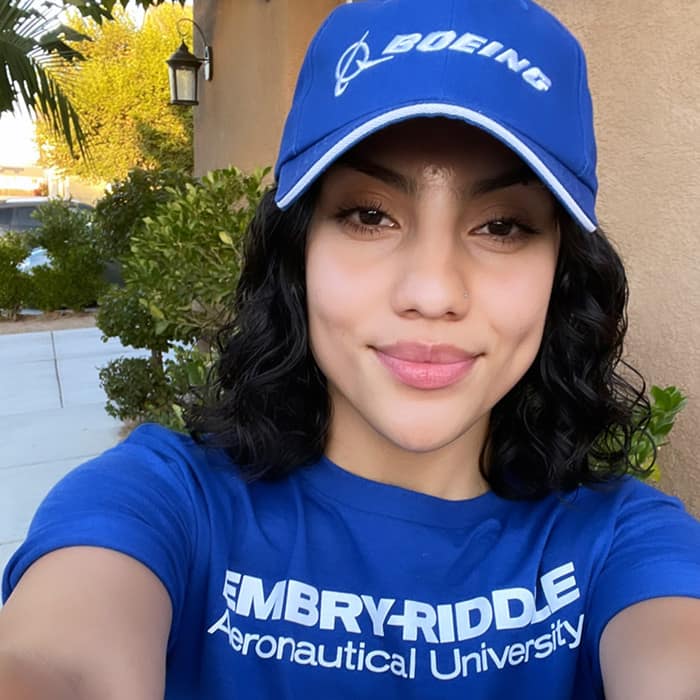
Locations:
{"points": [[507, 67]]}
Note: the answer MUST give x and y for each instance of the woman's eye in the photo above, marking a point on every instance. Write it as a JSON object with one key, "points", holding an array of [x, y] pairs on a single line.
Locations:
{"points": [[504, 229], [365, 219], [499, 227], [372, 217]]}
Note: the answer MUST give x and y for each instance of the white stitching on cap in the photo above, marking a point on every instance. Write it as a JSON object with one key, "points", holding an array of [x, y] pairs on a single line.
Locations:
{"points": [[435, 108]]}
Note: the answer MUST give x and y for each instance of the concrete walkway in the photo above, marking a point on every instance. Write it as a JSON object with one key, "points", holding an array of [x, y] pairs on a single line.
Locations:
{"points": [[52, 417]]}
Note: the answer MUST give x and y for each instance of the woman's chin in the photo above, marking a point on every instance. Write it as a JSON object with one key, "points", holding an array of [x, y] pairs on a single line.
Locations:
{"points": [[423, 439]]}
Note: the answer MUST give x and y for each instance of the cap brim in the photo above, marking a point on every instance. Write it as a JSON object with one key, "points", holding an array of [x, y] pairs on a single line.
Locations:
{"points": [[298, 174]]}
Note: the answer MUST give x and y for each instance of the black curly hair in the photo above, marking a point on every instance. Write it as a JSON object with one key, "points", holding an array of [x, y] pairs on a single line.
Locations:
{"points": [[568, 421]]}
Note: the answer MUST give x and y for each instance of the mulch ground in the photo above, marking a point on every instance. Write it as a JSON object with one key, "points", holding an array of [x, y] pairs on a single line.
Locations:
{"points": [[53, 321]]}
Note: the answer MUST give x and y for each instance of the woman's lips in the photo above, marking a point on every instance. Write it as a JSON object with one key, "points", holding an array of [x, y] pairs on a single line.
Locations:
{"points": [[426, 366]]}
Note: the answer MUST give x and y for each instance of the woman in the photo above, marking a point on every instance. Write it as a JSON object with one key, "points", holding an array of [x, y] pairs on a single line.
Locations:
{"points": [[405, 483]]}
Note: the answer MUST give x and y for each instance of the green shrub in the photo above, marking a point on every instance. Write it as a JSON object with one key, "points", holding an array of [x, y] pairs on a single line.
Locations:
{"points": [[183, 261], [666, 404], [186, 260], [74, 278], [14, 284], [53, 289], [120, 212], [136, 389], [186, 373], [187, 370], [63, 231], [647, 442], [122, 315]]}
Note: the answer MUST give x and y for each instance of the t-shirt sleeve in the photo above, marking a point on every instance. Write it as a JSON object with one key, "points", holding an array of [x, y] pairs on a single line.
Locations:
{"points": [[654, 551], [135, 499]]}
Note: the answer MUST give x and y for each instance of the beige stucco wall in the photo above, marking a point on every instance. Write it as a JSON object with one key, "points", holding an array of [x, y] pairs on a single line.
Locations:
{"points": [[258, 48], [645, 70]]}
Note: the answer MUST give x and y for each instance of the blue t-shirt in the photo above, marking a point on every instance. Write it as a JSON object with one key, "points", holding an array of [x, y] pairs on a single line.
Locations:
{"points": [[327, 585]]}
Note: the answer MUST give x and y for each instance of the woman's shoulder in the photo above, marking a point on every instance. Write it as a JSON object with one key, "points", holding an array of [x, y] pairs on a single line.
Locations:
{"points": [[613, 500], [149, 497], [154, 452], [629, 497], [169, 445], [624, 518]]}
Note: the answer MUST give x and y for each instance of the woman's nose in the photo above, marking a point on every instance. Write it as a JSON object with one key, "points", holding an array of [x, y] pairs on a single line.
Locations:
{"points": [[431, 277]]}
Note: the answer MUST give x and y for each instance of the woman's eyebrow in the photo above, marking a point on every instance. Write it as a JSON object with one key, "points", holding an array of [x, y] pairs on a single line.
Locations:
{"points": [[390, 177], [522, 175]]}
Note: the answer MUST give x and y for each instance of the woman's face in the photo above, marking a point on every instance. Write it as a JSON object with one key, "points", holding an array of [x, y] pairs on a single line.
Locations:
{"points": [[430, 261]]}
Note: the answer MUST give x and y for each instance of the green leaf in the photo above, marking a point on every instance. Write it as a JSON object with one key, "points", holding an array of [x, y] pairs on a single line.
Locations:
{"points": [[156, 312], [31, 56], [161, 326]]}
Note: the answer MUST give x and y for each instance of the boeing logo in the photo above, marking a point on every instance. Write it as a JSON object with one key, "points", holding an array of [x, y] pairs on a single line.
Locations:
{"points": [[354, 61], [356, 58]]}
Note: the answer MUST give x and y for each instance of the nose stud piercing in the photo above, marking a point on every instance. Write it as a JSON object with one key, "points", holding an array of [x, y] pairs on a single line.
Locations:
{"points": [[465, 295]]}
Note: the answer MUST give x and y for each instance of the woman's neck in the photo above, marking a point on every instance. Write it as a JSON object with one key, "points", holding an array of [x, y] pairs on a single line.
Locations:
{"points": [[450, 471]]}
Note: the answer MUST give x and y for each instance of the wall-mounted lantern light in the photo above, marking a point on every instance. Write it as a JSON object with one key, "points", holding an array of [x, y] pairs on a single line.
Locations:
{"points": [[183, 67]]}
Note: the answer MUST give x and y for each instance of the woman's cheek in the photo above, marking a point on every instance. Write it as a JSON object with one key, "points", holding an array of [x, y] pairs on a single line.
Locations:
{"points": [[329, 288], [517, 305], [335, 304], [343, 277]]}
